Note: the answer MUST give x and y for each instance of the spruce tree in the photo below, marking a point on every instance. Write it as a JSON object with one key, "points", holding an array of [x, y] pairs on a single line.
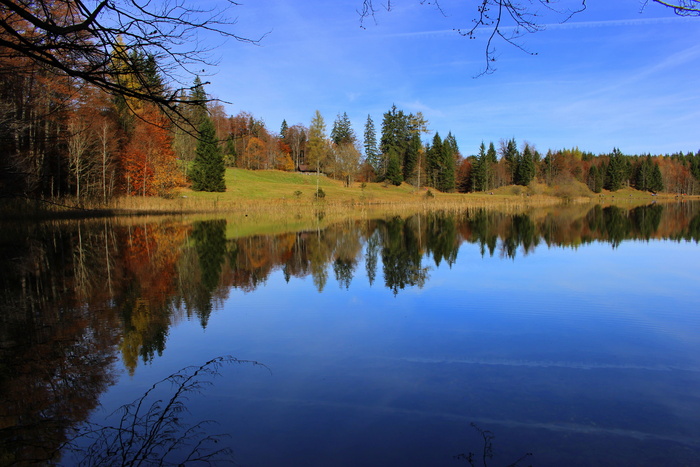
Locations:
{"points": [[480, 174], [526, 167], [512, 156], [492, 159], [593, 178], [448, 156], [342, 132], [208, 167], [657, 181], [393, 170], [616, 171], [412, 155], [433, 160], [371, 151], [396, 134]]}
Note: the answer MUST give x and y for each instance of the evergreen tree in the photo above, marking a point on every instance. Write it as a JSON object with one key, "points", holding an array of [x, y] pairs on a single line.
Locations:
{"points": [[492, 160], [198, 100], [412, 155], [283, 129], [595, 180], [342, 132], [208, 166], [657, 182], [396, 134], [393, 170], [616, 171], [480, 172], [511, 155], [434, 161], [448, 155], [451, 144], [371, 151], [526, 168]]}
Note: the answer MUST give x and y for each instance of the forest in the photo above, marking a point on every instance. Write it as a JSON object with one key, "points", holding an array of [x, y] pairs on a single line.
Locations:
{"points": [[67, 136]]}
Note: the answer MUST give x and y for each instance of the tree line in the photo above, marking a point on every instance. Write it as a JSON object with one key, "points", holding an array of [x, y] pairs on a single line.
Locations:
{"points": [[63, 136]]}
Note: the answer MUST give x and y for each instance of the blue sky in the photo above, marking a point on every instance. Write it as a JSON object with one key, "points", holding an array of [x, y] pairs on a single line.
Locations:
{"points": [[613, 76]]}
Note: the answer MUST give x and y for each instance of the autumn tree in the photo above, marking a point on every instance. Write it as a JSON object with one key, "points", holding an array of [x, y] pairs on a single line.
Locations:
{"points": [[296, 139], [76, 39], [317, 145], [148, 162], [344, 158]]}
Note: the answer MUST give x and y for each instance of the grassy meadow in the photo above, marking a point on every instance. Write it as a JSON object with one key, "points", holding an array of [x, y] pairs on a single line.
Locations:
{"points": [[287, 198]]}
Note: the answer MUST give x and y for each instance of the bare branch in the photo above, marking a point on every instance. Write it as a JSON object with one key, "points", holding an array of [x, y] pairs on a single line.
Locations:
{"points": [[682, 7], [75, 38]]}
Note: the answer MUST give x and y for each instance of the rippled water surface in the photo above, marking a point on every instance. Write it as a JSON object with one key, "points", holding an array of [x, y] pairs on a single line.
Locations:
{"points": [[573, 335]]}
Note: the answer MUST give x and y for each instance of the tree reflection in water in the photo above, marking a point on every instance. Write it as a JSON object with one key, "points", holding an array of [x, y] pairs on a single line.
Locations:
{"points": [[77, 296]]}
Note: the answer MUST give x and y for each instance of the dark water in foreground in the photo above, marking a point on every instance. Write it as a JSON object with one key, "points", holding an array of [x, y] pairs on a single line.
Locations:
{"points": [[572, 335]]}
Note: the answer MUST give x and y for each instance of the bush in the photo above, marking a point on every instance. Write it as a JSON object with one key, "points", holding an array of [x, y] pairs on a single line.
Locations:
{"points": [[429, 194], [320, 194], [297, 194]]}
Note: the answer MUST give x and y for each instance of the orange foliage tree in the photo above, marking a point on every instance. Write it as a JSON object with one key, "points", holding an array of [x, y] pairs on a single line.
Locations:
{"points": [[149, 164]]}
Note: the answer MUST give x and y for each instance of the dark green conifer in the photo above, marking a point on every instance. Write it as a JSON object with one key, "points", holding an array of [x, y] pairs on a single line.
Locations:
{"points": [[208, 166]]}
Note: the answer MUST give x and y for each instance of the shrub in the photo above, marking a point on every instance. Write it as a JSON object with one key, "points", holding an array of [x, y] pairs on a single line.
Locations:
{"points": [[320, 194]]}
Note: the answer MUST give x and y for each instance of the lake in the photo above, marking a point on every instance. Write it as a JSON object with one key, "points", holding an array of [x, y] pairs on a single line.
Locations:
{"points": [[565, 336]]}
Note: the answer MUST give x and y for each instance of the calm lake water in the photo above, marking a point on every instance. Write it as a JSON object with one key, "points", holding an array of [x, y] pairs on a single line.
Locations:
{"points": [[573, 335]]}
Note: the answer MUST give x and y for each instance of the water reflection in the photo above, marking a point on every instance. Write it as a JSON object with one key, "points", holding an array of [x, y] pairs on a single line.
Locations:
{"points": [[75, 297]]}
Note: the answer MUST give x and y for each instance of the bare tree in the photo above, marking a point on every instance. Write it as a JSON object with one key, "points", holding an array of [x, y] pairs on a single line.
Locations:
{"points": [[681, 7], [78, 38], [510, 20], [152, 429]]}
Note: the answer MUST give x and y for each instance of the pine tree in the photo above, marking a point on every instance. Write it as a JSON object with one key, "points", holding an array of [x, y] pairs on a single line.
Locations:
{"points": [[511, 155], [492, 160], [393, 170], [342, 132], [371, 151], [396, 134], [198, 99], [412, 155], [657, 182], [433, 160], [480, 172], [208, 167], [616, 171], [448, 156], [526, 167], [283, 129], [594, 180]]}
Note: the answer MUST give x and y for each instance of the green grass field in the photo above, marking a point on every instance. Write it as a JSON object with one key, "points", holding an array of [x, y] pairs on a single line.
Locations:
{"points": [[288, 197]]}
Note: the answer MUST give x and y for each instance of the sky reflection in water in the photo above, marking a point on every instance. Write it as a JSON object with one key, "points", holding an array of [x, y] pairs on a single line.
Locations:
{"points": [[583, 353]]}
